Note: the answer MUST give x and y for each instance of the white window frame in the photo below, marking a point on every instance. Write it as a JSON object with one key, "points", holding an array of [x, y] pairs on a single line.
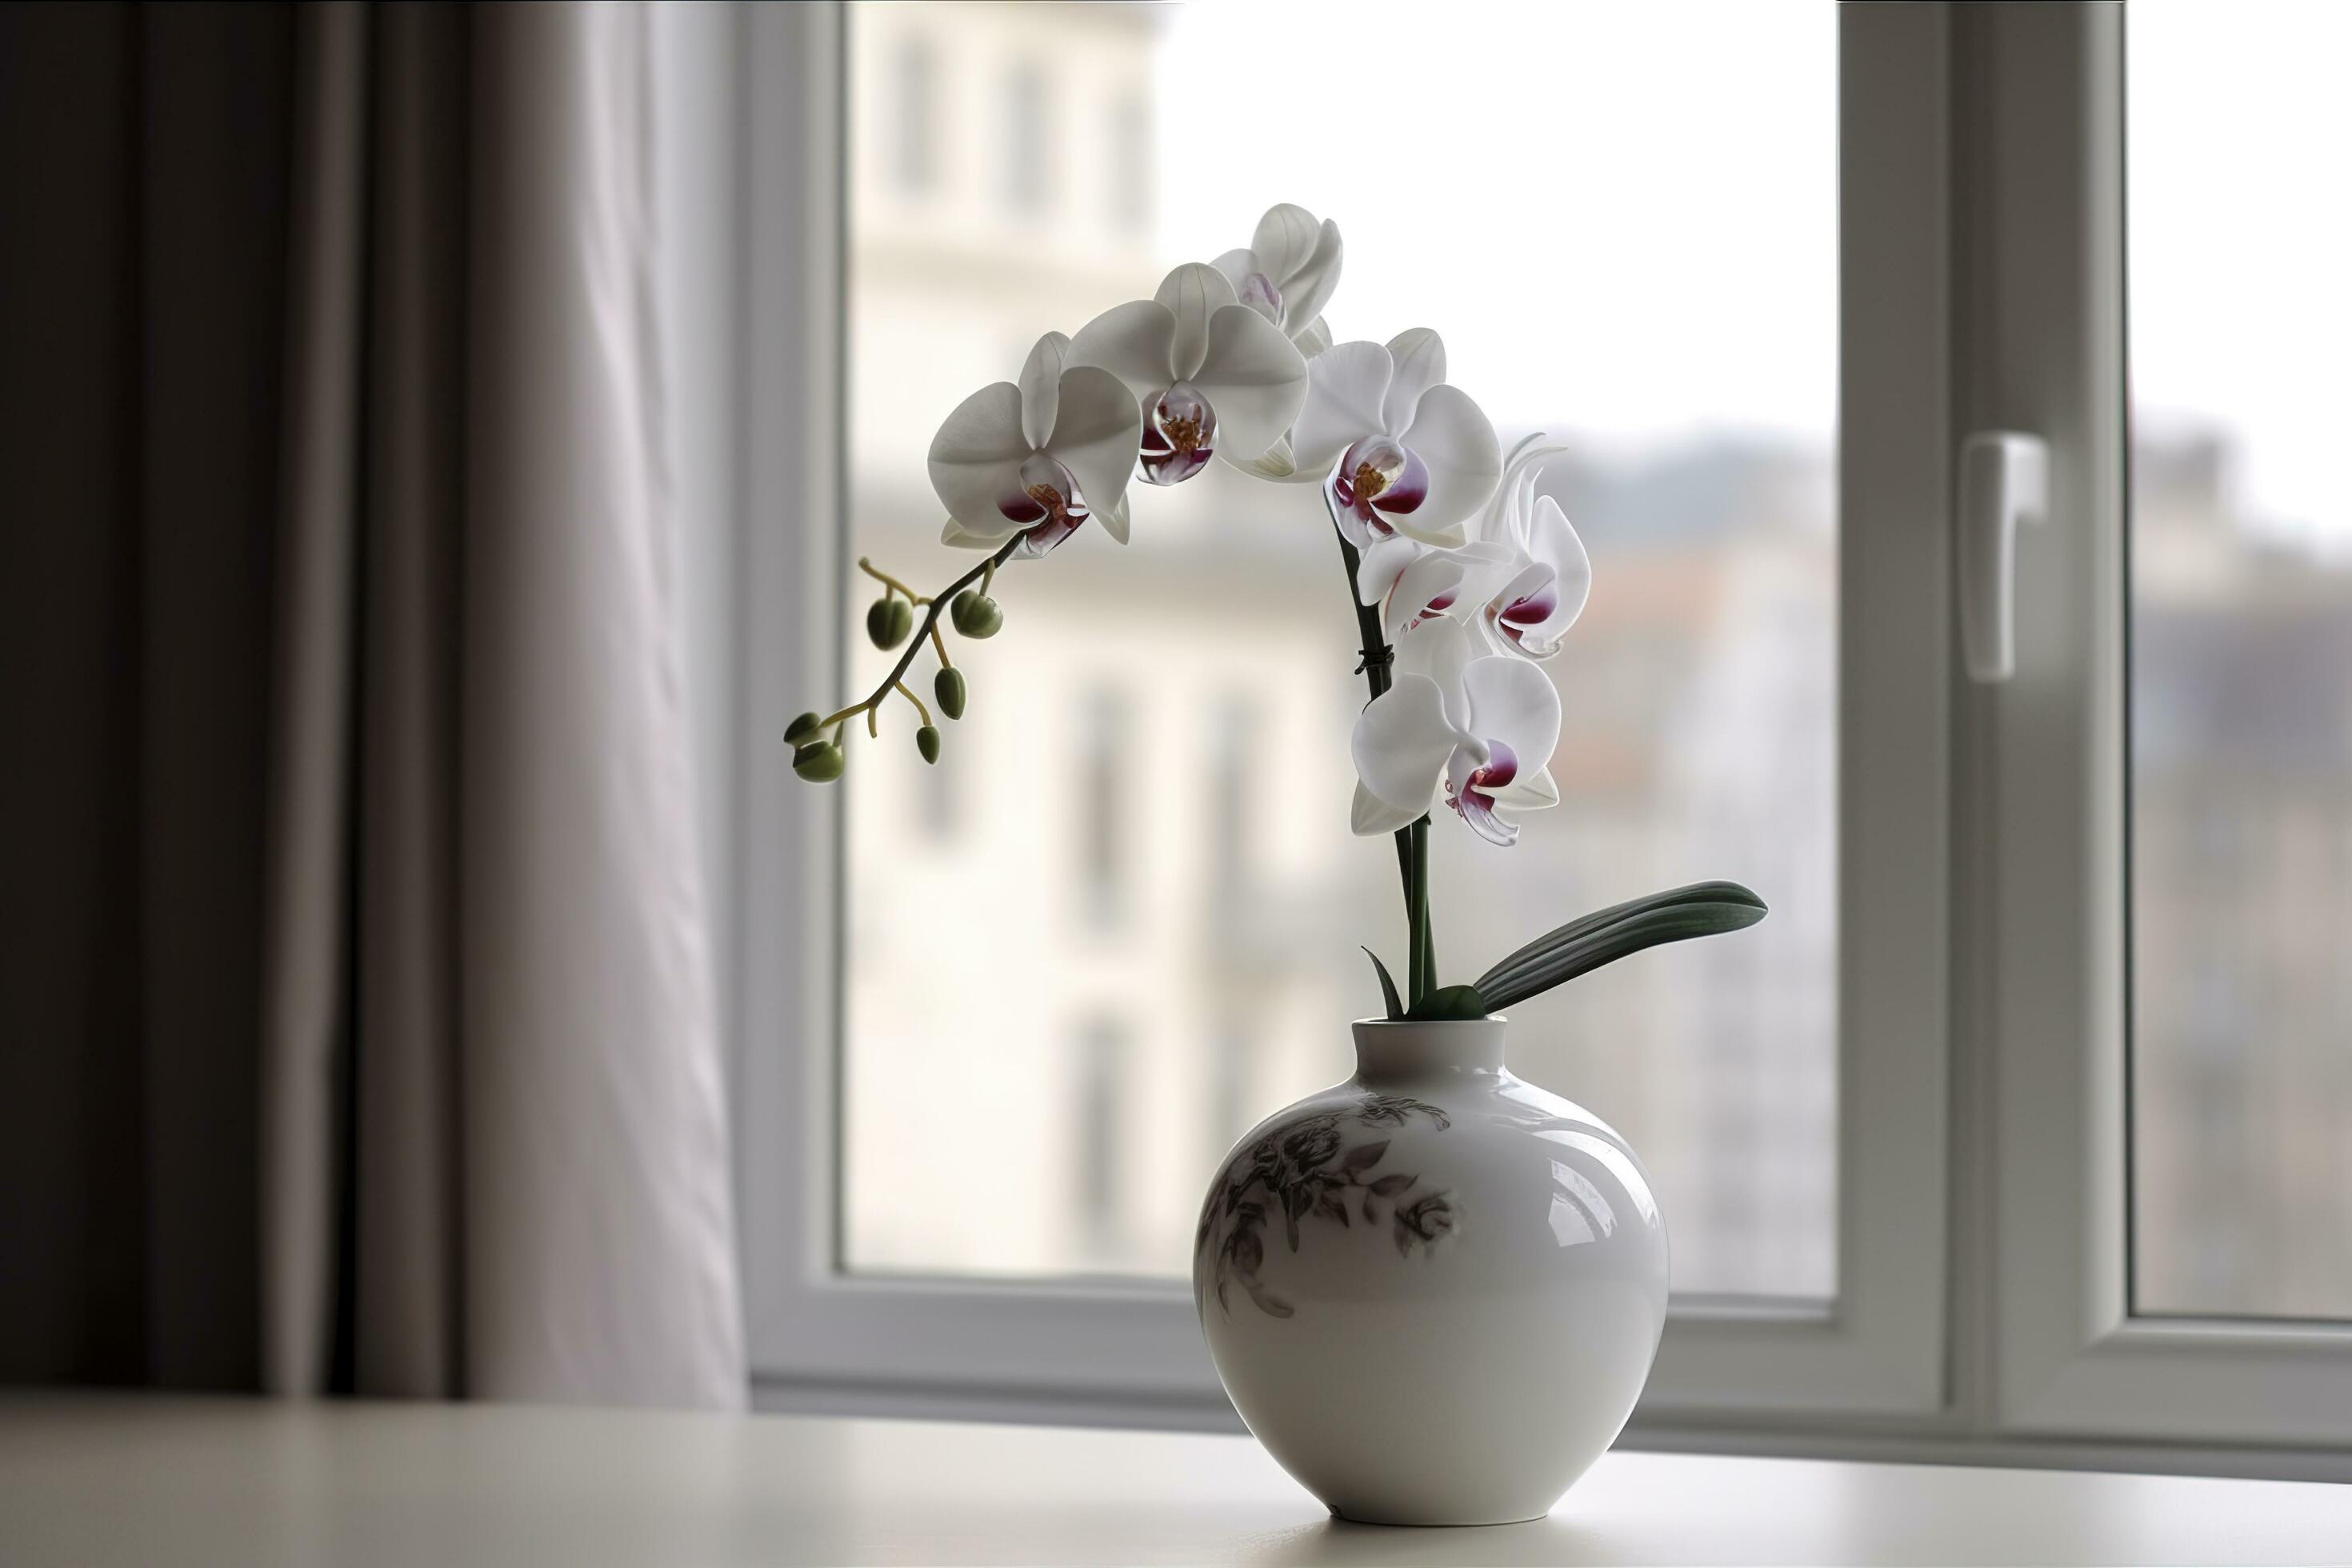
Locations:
{"points": [[1980, 993], [2046, 308]]}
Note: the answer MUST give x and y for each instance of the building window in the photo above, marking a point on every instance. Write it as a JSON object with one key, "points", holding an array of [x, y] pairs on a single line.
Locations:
{"points": [[1103, 784], [913, 162], [1097, 1180], [1027, 185], [1232, 847], [1131, 195]]}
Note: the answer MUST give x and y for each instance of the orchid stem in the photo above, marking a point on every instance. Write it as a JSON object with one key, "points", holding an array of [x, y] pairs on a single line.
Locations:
{"points": [[915, 700], [896, 679], [1411, 842], [1424, 945], [889, 582]]}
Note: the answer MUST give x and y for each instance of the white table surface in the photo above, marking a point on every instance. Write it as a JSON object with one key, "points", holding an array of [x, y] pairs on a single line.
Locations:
{"points": [[92, 1482]]}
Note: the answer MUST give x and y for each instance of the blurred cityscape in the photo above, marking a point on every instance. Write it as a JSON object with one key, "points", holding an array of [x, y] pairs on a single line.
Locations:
{"points": [[2242, 871], [1118, 924], [2241, 649]]}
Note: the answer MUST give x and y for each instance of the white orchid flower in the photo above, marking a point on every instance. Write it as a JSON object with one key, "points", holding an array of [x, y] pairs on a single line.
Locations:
{"points": [[1210, 374], [1531, 608], [1398, 451], [1039, 458], [1414, 583], [1447, 583], [1483, 728], [1288, 273]]}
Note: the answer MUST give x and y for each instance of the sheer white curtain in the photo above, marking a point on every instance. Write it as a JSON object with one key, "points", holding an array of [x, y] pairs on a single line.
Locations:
{"points": [[496, 1155]]}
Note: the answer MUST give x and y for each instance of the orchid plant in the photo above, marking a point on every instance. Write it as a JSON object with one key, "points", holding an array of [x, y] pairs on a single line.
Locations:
{"points": [[1461, 576]]}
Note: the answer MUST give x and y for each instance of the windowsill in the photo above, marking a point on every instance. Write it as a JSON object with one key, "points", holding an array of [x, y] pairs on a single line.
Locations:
{"points": [[98, 1479]]}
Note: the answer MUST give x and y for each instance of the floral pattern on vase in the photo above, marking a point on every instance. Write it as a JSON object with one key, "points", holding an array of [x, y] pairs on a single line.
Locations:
{"points": [[1309, 1169]]}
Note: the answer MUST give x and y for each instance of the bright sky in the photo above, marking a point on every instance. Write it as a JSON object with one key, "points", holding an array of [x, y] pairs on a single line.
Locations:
{"points": [[1621, 219], [2241, 170]]}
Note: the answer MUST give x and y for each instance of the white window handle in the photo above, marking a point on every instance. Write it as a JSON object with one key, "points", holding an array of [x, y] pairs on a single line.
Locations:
{"points": [[2004, 480]]}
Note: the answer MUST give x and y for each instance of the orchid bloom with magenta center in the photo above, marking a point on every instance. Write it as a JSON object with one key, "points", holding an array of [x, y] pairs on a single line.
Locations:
{"points": [[1038, 459], [1397, 450], [1415, 583], [1480, 728], [1209, 374], [1535, 603]]}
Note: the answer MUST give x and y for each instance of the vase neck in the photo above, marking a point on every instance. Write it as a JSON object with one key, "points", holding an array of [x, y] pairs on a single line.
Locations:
{"points": [[1399, 1052]]}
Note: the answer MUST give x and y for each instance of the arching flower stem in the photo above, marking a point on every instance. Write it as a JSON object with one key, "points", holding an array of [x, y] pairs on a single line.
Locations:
{"points": [[1412, 839], [982, 573]]}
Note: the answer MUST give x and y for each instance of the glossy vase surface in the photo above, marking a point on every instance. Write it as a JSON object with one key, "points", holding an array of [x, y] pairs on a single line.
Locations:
{"points": [[1432, 1291]]}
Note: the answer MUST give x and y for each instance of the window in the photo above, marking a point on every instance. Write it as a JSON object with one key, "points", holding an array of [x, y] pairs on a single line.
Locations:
{"points": [[1234, 845], [1027, 185], [2152, 807], [1105, 784], [1130, 194], [1699, 693], [917, 95], [2021, 1121], [1107, 815], [2242, 641], [1097, 1173]]}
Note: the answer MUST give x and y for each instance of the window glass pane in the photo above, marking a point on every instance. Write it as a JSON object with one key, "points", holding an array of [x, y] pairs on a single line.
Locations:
{"points": [[2240, 245], [1118, 924]]}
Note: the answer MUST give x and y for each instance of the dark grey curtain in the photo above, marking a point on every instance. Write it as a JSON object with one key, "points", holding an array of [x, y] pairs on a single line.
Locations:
{"points": [[356, 1016], [144, 162]]}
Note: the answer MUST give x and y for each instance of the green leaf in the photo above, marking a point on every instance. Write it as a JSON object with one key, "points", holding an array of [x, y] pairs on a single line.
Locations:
{"points": [[1582, 945], [1388, 988], [1538, 950], [1451, 1003], [1696, 891]]}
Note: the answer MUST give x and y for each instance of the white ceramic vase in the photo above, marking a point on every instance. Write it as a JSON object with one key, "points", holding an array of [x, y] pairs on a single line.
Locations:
{"points": [[1432, 1291]]}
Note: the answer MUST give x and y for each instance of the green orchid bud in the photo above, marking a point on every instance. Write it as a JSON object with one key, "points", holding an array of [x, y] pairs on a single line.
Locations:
{"points": [[927, 740], [948, 686], [801, 729], [819, 762], [888, 621], [976, 614]]}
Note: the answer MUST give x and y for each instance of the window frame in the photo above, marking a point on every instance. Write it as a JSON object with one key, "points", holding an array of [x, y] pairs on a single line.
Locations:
{"points": [[1982, 1314], [2044, 306]]}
